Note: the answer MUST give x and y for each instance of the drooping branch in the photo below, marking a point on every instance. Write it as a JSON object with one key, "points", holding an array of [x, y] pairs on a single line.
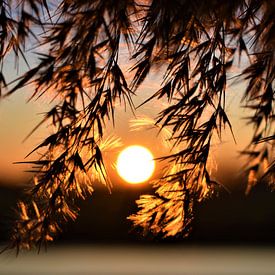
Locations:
{"points": [[199, 55], [196, 45], [81, 72]]}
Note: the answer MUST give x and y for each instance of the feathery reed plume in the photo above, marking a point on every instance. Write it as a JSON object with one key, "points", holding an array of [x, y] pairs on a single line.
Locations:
{"points": [[58, 184], [195, 42], [170, 210]]}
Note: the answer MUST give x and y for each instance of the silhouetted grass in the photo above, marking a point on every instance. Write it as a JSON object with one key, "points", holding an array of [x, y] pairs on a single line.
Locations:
{"points": [[195, 43]]}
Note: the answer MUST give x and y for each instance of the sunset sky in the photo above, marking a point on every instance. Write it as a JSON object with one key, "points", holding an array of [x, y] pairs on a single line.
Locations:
{"points": [[18, 117]]}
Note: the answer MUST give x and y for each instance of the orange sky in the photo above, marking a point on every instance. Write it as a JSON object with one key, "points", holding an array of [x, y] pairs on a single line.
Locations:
{"points": [[18, 118]]}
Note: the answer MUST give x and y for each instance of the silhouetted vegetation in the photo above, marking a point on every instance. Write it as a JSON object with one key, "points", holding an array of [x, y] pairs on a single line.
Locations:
{"points": [[195, 44]]}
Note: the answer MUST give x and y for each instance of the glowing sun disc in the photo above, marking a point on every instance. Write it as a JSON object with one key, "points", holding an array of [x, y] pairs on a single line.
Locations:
{"points": [[135, 164]]}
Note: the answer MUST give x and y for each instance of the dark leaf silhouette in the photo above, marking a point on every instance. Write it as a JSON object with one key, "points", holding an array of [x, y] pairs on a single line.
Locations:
{"points": [[192, 44]]}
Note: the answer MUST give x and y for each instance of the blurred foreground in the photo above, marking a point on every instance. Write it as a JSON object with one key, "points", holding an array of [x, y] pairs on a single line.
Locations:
{"points": [[130, 260]]}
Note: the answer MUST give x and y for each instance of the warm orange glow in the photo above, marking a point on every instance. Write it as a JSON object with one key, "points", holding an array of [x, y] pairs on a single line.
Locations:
{"points": [[135, 164]]}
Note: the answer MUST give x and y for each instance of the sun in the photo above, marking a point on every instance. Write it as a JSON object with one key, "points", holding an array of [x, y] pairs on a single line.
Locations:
{"points": [[135, 164]]}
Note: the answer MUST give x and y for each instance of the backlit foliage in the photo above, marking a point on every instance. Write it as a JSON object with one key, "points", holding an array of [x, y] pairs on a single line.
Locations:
{"points": [[170, 209], [195, 43]]}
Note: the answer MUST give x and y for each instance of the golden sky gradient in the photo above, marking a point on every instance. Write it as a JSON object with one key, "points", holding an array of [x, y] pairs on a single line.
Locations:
{"points": [[18, 117]]}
